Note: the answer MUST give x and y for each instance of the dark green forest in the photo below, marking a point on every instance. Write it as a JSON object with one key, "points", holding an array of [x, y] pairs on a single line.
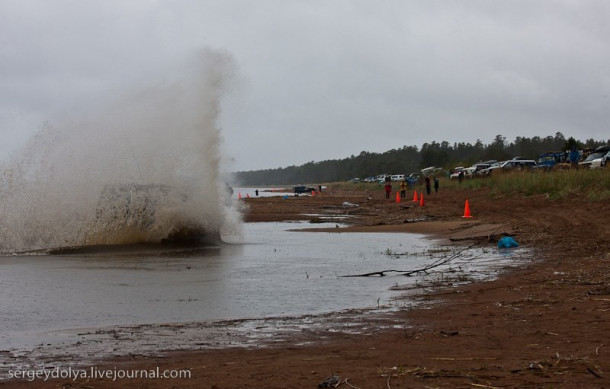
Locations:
{"points": [[411, 159]]}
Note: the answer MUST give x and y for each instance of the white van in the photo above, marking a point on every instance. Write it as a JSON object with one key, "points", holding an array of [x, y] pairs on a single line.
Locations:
{"points": [[397, 177]]}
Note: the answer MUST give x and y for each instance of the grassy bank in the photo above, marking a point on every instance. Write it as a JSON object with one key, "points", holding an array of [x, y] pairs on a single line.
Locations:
{"points": [[592, 184], [588, 183]]}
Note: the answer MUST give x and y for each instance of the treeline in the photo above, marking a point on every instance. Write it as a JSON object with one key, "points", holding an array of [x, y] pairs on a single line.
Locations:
{"points": [[410, 159]]}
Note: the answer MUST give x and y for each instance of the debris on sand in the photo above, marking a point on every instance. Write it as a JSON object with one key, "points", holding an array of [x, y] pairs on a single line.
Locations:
{"points": [[330, 382]]}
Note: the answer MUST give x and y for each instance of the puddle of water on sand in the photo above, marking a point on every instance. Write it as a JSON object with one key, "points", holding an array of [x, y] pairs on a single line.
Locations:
{"points": [[99, 305], [262, 192]]}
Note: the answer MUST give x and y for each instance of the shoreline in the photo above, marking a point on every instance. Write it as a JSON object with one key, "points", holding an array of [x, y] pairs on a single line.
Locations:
{"points": [[96, 344], [540, 325], [454, 231]]}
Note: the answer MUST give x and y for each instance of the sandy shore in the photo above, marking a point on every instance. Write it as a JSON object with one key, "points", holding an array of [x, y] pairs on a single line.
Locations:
{"points": [[542, 325]]}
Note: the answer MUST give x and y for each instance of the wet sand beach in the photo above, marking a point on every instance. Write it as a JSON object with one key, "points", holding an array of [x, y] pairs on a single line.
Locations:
{"points": [[544, 324]]}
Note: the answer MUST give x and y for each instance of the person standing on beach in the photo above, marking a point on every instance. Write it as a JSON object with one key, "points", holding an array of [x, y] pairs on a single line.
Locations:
{"points": [[388, 190], [574, 156], [436, 184], [428, 185], [403, 189]]}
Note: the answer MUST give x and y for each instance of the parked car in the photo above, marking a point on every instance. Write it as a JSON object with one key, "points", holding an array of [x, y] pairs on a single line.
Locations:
{"points": [[487, 171], [300, 189], [601, 162], [456, 172], [590, 158], [413, 178], [397, 177], [478, 167], [549, 160], [383, 178], [519, 164], [468, 171], [596, 158], [354, 180], [431, 170]]}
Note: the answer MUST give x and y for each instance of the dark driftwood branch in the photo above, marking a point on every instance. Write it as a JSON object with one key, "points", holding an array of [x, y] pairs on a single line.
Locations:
{"points": [[424, 269], [375, 273]]}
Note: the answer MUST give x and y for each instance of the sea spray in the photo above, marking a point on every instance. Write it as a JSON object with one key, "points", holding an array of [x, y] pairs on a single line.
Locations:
{"points": [[139, 168]]}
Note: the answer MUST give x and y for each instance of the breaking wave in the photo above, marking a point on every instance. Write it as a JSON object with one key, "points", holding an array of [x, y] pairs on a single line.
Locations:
{"points": [[143, 168]]}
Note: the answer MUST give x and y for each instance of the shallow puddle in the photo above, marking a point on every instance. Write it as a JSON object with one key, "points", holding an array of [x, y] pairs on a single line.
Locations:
{"points": [[64, 303]]}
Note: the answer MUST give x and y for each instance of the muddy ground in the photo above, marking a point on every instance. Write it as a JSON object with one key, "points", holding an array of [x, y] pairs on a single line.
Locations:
{"points": [[543, 325]]}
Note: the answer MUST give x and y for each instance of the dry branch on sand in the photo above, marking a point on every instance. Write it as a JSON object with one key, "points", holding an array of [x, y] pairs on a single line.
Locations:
{"points": [[560, 364], [421, 270]]}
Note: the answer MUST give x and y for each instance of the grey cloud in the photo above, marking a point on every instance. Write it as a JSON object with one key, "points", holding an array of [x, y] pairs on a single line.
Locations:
{"points": [[325, 79]]}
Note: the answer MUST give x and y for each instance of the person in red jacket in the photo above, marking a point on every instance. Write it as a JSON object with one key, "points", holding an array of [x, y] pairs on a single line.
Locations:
{"points": [[388, 190]]}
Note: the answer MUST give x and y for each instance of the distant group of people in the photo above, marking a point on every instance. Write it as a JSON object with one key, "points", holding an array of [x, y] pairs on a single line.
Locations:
{"points": [[403, 187]]}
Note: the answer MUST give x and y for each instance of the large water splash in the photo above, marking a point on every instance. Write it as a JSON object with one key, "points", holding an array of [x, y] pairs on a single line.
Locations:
{"points": [[138, 169]]}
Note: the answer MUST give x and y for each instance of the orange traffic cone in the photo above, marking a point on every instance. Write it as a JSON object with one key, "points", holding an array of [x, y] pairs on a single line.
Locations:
{"points": [[397, 197], [239, 195], [247, 195], [313, 192], [466, 209], [421, 199], [415, 197]]}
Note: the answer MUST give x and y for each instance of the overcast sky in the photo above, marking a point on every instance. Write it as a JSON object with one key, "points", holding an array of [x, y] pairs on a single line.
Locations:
{"points": [[322, 79]]}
